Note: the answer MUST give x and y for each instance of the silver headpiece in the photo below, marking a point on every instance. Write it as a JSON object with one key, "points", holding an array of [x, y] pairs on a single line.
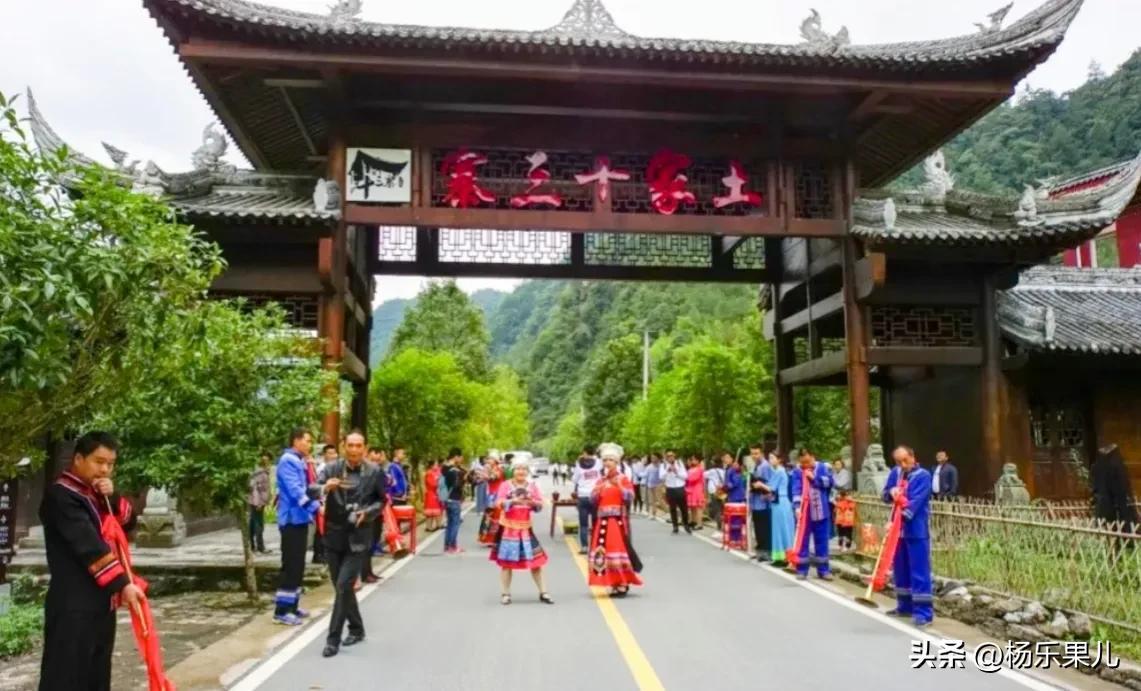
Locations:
{"points": [[610, 450]]}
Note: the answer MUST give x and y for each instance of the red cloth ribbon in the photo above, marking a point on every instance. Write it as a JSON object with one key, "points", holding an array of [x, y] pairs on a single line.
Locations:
{"points": [[142, 621], [392, 532], [891, 540], [792, 556]]}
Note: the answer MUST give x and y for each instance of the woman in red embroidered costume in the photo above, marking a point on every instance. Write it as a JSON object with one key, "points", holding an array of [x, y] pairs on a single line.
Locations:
{"points": [[433, 510], [489, 524], [516, 548], [613, 562]]}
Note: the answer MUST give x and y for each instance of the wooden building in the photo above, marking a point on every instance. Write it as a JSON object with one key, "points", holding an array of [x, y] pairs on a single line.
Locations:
{"points": [[583, 151]]}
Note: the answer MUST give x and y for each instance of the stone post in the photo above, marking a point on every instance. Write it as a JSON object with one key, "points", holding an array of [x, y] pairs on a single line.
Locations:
{"points": [[160, 525], [873, 472], [1010, 489]]}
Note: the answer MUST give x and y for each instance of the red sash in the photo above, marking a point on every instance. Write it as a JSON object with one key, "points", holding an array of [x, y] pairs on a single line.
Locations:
{"points": [[792, 556], [891, 540]]}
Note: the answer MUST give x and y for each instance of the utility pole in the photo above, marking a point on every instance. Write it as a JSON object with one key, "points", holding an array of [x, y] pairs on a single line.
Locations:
{"points": [[645, 364]]}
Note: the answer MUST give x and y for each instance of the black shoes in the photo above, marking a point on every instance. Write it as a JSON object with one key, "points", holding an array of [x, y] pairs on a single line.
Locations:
{"points": [[352, 639], [330, 650]]}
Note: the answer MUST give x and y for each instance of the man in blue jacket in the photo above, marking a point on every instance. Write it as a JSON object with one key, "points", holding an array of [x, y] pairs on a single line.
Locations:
{"points": [[296, 508], [912, 564], [817, 477]]}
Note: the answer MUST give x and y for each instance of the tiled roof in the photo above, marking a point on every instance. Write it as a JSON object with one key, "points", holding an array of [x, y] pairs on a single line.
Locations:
{"points": [[252, 203], [588, 28], [1063, 309], [965, 218]]}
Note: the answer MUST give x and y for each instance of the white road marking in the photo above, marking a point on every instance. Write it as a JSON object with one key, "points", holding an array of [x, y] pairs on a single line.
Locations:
{"points": [[262, 672], [1012, 675]]}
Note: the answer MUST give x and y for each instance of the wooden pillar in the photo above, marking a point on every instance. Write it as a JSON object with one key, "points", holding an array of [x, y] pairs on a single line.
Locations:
{"points": [[855, 322], [887, 422], [992, 414], [783, 354], [333, 266]]}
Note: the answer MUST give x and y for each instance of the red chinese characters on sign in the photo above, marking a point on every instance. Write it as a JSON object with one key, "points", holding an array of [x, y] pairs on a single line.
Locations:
{"points": [[736, 181], [459, 168], [602, 175], [667, 183], [538, 176]]}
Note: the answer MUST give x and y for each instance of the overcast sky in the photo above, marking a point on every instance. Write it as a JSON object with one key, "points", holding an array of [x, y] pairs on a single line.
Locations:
{"points": [[102, 70]]}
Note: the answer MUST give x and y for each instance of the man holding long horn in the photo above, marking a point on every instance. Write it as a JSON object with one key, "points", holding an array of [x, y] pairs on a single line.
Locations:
{"points": [[810, 487], [910, 486], [87, 576]]}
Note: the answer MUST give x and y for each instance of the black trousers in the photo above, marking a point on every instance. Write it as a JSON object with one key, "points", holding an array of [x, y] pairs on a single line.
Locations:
{"points": [[257, 529], [366, 561], [293, 541], [763, 531], [344, 567], [675, 497], [77, 651], [318, 548]]}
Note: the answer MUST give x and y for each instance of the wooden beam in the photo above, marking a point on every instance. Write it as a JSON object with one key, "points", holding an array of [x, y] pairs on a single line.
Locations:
{"points": [[572, 272], [524, 110], [805, 373], [241, 53], [359, 313], [510, 219], [833, 304], [352, 366], [1015, 362], [868, 105], [908, 293], [293, 83], [939, 356]]}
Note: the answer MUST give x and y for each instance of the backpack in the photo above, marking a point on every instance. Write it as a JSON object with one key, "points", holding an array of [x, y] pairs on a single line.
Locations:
{"points": [[442, 490]]}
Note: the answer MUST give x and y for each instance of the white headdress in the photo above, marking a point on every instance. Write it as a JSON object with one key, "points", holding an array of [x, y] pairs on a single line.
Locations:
{"points": [[610, 450], [493, 453]]}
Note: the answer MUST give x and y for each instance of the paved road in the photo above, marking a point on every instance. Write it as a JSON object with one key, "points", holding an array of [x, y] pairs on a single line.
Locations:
{"points": [[705, 619]]}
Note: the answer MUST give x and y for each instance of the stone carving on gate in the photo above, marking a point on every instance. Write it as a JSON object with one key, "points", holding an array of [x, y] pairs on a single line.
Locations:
{"points": [[160, 525], [1027, 213], [938, 180]]}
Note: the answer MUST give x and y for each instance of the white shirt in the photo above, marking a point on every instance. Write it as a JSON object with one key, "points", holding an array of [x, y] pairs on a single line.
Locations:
{"points": [[714, 478], [935, 480], [674, 474], [584, 479]]}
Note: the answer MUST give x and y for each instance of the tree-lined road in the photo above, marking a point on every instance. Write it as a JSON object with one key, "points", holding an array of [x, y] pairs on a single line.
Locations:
{"points": [[705, 619]]}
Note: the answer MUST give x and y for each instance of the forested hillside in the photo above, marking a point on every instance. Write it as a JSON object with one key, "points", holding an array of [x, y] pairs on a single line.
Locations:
{"points": [[1041, 134]]}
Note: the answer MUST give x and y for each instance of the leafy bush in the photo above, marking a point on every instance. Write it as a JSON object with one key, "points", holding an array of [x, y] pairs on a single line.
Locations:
{"points": [[20, 629], [28, 589]]}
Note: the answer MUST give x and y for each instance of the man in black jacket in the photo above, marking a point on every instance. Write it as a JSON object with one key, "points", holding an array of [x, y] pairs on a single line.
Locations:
{"points": [[86, 574], [944, 477], [354, 496]]}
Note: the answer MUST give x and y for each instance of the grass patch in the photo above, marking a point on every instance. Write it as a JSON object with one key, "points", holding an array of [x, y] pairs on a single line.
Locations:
{"points": [[21, 629]]}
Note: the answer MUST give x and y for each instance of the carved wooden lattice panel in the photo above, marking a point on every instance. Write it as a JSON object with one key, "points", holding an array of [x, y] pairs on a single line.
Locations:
{"points": [[532, 247], [750, 254], [301, 311], [813, 190], [648, 249], [505, 175], [931, 326], [397, 244]]}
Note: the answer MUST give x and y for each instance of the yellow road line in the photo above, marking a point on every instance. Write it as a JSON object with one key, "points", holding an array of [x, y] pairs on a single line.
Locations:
{"points": [[644, 675]]}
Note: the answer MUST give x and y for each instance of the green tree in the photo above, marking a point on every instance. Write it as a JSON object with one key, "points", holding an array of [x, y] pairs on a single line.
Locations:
{"points": [[499, 414], [200, 403], [444, 319], [613, 380], [82, 278], [420, 400]]}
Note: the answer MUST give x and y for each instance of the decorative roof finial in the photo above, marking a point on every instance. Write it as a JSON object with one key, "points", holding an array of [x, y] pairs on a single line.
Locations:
{"points": [[208, 157], [995, 18], [119, 158], [1027, 213], [812, 31], [345, 13], [939, 179], [151, 180], [889, 214], [588, 19]]}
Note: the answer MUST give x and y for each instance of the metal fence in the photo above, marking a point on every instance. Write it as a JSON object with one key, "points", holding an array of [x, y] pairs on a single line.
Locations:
{"points": [[1054, 553]]}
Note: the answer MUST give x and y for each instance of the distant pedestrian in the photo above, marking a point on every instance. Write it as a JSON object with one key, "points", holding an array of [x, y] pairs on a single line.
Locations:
{"points": [[1113, 498], [586, 473], [695, 492], [944, 478], [516, 548], [715, 485], [86, 574], [433, 507], [783, 519], [296, 509], [257, 500], [845, 519], [490, 520], [354, 494], [734, 489], [674, 478], [841, 476], [397, 478], [655, 489], [315, 468], [477, 476], [453, 480], [761, 499], [640, 485]]}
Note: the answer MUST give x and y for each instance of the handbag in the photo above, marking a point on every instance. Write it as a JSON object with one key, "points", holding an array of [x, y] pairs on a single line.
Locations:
{"points": [[442, 490]]}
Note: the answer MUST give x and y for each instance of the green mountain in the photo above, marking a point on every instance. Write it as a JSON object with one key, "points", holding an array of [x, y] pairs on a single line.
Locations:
{"points": [[385, 318], [1041, 134], [488, 300]]}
